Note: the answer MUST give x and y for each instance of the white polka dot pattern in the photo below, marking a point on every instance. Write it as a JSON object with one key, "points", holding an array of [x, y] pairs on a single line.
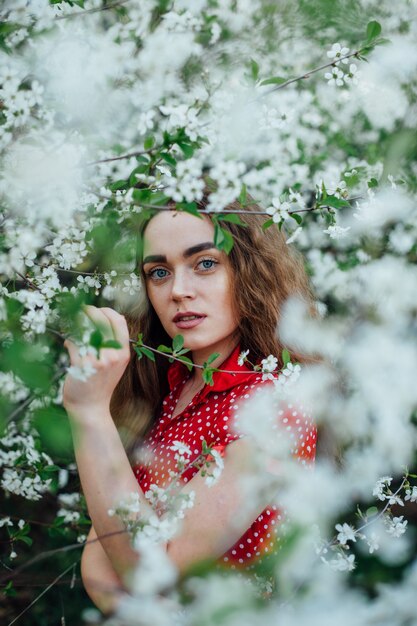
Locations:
{"points": [[209, 416]]}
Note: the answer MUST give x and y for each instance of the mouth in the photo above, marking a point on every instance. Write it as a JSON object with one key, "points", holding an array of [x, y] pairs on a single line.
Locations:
{"points": [[189, 319], [186, 316]]}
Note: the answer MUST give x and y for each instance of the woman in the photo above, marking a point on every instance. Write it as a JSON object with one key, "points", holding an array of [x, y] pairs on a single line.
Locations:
{"points": [[219, 303]]}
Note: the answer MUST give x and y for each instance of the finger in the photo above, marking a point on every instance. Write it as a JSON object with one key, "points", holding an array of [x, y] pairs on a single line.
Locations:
{"points": [[118, 325], [75, 357], [100, 320], [73, 352]]}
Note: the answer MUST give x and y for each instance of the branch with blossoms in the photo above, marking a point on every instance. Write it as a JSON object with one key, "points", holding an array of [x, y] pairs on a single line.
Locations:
{"points": [[337, 53], [112, 5], [95, 341], [395, 525], [167, 503]]}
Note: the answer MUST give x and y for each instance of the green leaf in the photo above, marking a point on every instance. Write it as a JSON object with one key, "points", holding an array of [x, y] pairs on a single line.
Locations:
{"points": [[55, 434], [223, 240], [373, 30], [243, 195], [372, 183], [51, 469], [111, 343], [233, 218], [29, 362], [212, 358], [267, 224], [334, 202], [187, 362], [165, 349], [9, 590], [141, 195], [183, 351], [254, 69], [218, 234], [148, 353], [189, 207], [119, 184], [158, 197], [187, 149], [96, 339], [178, 343], [168, 158], [286, 357], [149, 142], [274, 80], [296, 217], [205, 449], [27, 540], [208, 376]]}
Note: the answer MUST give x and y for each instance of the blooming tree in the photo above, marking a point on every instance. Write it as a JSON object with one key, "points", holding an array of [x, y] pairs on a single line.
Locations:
{"points": [[109, 109]]}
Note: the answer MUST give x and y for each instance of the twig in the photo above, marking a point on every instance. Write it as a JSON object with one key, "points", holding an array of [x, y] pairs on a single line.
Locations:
{"points": [[170, 356], [373, 519], [160, 207], [315, 70], [109, 6], [33, 396], [49, 553], [124, 156], [41, 594], [27, 281]]}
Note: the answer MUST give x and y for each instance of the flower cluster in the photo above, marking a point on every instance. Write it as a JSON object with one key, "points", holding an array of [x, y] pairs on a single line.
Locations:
{"points": [[110, 110], [21, 462]]}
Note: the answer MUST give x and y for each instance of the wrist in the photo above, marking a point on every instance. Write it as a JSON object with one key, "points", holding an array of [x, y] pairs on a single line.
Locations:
{"points": [[88, 413]]}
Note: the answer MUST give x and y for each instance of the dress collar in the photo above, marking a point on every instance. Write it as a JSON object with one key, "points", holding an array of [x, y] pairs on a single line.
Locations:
{"points": [[178, 372]]}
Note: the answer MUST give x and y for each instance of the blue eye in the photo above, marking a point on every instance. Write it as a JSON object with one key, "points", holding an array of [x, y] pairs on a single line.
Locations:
{"points": [[208, 264], [158, 273]]}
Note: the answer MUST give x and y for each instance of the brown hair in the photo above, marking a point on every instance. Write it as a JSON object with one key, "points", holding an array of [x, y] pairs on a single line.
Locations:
{"points": [[266, 272]]}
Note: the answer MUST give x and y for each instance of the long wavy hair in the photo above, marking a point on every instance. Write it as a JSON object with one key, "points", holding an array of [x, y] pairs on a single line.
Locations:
{"points": [[265, 273]]}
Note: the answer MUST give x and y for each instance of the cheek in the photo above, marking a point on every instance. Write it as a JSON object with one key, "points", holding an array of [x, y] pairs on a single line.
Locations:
{"points": [[155, 299], [225, 299]]}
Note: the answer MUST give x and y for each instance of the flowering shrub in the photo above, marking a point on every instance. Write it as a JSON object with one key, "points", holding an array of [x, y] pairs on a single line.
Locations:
{"points": [[107, 109]]}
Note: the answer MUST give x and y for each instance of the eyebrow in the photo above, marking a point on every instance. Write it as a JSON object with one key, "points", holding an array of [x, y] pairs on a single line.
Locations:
{"points": [[161, 258]]}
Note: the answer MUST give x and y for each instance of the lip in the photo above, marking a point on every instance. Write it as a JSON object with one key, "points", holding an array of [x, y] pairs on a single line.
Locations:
{"points": [[180, 323]]}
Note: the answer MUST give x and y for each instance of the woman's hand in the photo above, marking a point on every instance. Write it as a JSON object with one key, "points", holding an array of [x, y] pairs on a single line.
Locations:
{"points": [[80, 396]]}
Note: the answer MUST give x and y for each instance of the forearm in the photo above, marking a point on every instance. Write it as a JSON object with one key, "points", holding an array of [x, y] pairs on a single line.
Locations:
{"points": [[100, 580], [107, 479]]}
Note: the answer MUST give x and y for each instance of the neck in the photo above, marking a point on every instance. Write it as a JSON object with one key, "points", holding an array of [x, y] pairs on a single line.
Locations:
{"points": [[199, 357]]}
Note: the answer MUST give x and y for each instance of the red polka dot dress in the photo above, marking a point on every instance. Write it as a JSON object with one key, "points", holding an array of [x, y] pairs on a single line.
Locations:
{"points": [[209, 417]]}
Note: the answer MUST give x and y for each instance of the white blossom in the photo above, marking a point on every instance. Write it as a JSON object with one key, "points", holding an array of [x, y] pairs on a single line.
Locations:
{"points": [[214, 474], [411, 494], [269, 364], [396, 526], [242, 357], [336, 52], [381, 486], [343, 562], [279, 211], [373, 542], [82, 373], [181, 448], [346, 533], [295, 235], [352, 75], [335, 77], [336, 232]]}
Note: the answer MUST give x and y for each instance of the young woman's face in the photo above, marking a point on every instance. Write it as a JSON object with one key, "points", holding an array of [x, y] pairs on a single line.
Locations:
{"points": [[188, 282]]}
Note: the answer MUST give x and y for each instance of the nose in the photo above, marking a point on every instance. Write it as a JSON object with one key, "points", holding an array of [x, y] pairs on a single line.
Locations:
{"points": [[182, 286]]}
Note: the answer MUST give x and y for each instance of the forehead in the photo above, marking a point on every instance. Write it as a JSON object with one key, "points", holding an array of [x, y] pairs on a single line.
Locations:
{"points": [[170, 233]]}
